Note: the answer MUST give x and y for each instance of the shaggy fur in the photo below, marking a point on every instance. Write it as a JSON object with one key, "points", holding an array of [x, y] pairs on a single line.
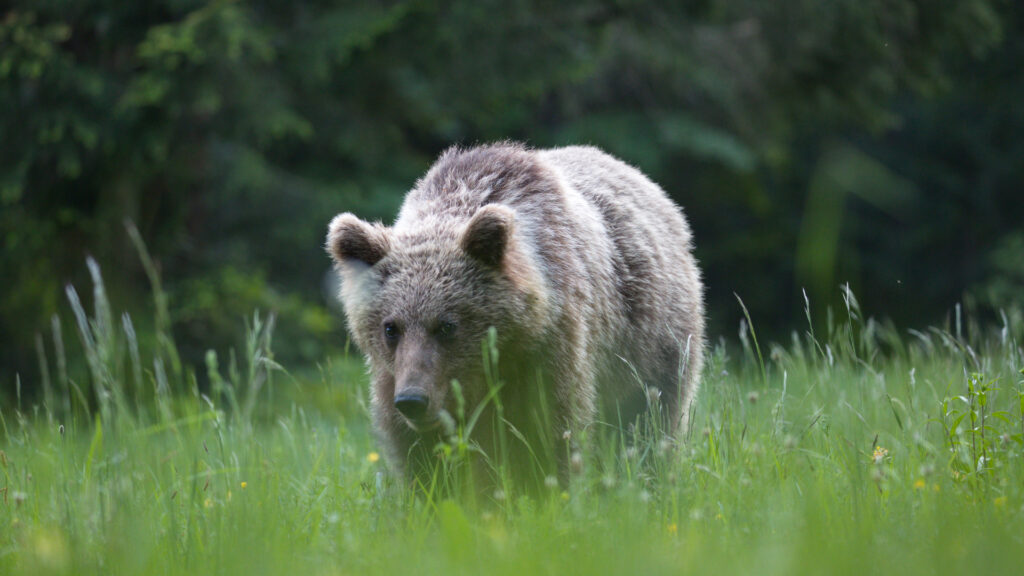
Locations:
{"points": [[581, 263]]}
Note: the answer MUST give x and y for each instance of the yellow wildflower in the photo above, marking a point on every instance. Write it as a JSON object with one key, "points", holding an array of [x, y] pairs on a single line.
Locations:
{"points": [[244, 485], [372, 457], [208, 503], [879, 455], [920, 484], [672, 528], [49, 550]]}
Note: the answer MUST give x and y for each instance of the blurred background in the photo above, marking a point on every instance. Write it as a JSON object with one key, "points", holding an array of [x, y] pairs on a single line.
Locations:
{"points": [[812, 143]]}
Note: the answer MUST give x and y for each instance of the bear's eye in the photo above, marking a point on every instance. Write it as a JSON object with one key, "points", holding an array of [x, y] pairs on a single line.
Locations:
{"points": [[445, 329], [391, 332]]}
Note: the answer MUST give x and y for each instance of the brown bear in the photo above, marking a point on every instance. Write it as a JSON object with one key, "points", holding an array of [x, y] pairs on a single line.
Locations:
{"points": [[581, 264]]}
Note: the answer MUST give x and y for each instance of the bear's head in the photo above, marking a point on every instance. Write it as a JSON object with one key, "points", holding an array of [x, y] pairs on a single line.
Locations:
{"points": [[421, 299]]}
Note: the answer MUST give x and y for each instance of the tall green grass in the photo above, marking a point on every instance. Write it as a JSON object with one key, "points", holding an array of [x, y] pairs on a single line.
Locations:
{"points": [[852, 448]]}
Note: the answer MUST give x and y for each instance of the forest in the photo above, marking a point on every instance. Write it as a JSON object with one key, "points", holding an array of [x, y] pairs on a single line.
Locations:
{"points": [[813, 145]]}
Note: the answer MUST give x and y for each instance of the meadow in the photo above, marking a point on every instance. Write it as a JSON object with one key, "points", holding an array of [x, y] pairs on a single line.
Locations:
{"points": [[854, 448]]}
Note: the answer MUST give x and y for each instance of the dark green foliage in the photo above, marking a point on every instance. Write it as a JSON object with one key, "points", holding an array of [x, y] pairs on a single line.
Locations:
{"points": [[812, 143]]}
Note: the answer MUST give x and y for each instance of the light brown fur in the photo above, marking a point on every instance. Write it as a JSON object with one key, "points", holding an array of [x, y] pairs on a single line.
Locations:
{"points": [[581, 263]]}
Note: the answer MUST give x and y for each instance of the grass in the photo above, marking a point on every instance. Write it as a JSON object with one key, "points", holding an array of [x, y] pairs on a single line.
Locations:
{"points": [[855, 450]]}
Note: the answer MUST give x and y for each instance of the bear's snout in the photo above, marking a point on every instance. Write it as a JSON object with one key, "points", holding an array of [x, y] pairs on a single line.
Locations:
{"points": [[412, 404]]}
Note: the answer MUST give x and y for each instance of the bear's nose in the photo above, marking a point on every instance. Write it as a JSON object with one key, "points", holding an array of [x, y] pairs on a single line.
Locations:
{"points": [[412, 404]]}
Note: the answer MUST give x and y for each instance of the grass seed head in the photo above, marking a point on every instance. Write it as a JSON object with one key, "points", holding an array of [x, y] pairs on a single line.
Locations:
{"points": [[665, 445], [653, 396], [576, 462]]}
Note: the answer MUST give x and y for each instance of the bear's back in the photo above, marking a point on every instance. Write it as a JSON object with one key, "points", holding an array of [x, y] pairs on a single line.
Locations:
{"points": [[651, 238], [622, 227], [464, 180]]}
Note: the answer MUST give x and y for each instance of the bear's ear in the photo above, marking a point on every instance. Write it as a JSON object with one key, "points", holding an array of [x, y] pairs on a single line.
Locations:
{"points": [[351, 239], [488, 234]]}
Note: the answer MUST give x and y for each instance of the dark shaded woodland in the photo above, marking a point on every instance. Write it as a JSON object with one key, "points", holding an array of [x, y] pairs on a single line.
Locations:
{"points": [[812, 144]]}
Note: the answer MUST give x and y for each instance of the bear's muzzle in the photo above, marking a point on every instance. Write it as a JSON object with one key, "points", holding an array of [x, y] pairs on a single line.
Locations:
{"points": [[412, 403]]}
